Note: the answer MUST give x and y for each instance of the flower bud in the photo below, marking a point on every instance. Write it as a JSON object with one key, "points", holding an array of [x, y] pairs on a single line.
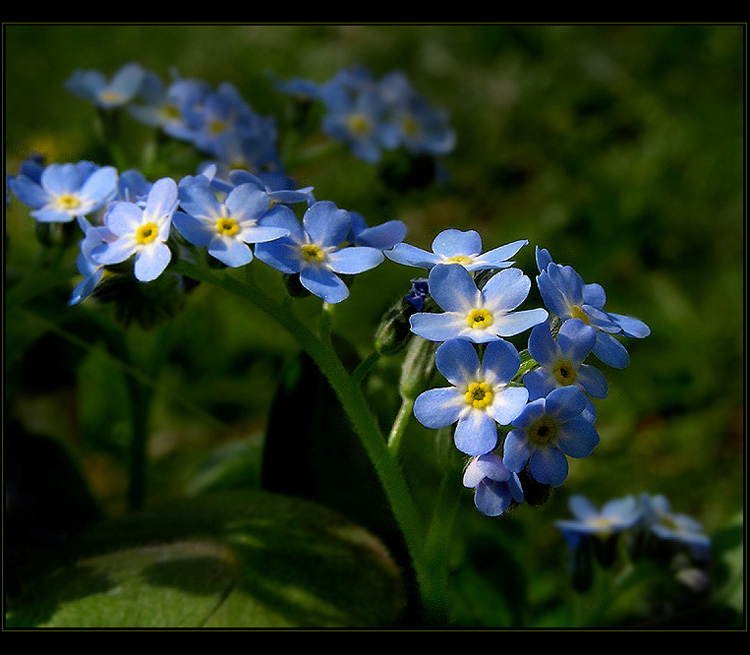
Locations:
{"points": [[418, 367]]}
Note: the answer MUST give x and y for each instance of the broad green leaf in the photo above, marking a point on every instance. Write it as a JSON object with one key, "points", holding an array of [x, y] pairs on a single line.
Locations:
{"points": [[226, 560]]}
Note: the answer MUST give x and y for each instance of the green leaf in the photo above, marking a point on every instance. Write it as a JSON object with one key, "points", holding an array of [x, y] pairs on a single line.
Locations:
{"points": [[236, 559]]}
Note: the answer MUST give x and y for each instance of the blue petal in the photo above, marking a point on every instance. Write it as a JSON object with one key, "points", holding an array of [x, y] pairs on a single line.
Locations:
{"points": [[383, 236], [548, 466], [577, 438], [498, 257], [229, 251], [282, 216], [542, 347], [543, 258], [281, 254], [438, 408], [565, 403], [408, 255], [593, 381], [49, 215], [582, 508], [492, 498], [453, 288], [508, 404], [567, 280], [576, 340], [113, 253], [354, 259], [631, 327], [100, 186], [533, 411], [539, 383], [150, 262], [501, 360], [517, 322], [436, 327], [593, 294], [162, 199], [195, 231], [506, 290], [492, 467], [610, 351], [476, 433], [326, 224], [552, 297], [247, 203], [323, 283], [452, 243], [29, 192], [516, 451], [458, 362]]}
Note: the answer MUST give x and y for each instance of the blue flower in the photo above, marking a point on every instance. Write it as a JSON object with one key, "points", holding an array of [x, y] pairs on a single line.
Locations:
{"points": [[546, 431], [481, 395], [225, 227], [616, 516], [316, 249], [470, 313], [567, 296], [63, 192], [456, 247], [561, 362], [383, 236], [94, 236], [495, 487], [659, 518], [94, 86], [418, 293], [142, 231]]}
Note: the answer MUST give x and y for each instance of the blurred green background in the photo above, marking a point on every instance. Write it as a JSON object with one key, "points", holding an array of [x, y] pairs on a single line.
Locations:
{"points": [[617, 147]]}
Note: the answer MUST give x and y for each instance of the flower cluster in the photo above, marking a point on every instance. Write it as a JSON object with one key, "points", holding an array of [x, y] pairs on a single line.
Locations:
{"points": [[645, 527], [373, 115], [512, 420]]}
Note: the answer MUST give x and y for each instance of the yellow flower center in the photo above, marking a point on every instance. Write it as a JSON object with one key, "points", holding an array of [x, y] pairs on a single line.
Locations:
{"points": [[312, 253], [66, 201], [409, 125], [479, 319], [215, 127], [227, 227], [577, 312], [543, 431], [358, 124], [564, 373], [171, 112], [459, 259], [110, 96], [146, 233], [479, 395], [602, 524]]}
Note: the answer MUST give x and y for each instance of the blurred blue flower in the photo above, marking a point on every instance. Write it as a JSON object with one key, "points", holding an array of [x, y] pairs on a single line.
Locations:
{"points": [[546, 431], [316, 249], [561, 362], [62, 192], [94, 86], [481, 395], [495, 487], [456, 247], [142, 231], [225, 227], [683, 529], [470, 313], [567, 296], [616, 516]]}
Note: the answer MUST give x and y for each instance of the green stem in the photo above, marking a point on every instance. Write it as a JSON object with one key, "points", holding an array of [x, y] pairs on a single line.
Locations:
{"points": [[353, 401], [399, 424], [364, 367]]}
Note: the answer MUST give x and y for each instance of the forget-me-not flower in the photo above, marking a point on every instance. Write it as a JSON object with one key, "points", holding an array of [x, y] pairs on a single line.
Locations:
{"points": [[495, 487], [481, 396], [615, 516], [546, 431], [94, 86], [142, 230], [561, 362], [63, 192], [225, 227], [470, 313], [662, 521], [567, 296], [317, 249], [456, 247]]}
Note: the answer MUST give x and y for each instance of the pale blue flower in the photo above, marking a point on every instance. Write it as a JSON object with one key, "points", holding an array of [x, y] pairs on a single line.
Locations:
{"points": [[63, 192], [495, 487], [546, 431], [567, 296], [561, 362], [470, 313], [480, 397], [225, 227], [317, 250], [456, 247], [616, 516], [142, 231], [94, 86], [94, 236], [662, 521]]}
